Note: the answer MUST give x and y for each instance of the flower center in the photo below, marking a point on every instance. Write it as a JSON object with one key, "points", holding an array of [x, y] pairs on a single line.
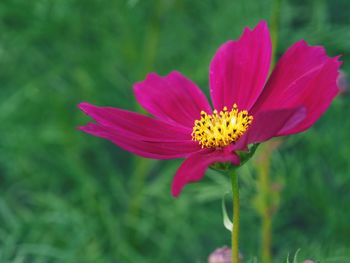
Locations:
{"points": [[221, 129]]}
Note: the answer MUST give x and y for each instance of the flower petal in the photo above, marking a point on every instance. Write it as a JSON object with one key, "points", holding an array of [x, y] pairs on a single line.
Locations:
{"points": [[139, 134], [133, 124], [268, 124], [304, 76], [240, 68], [172, 98], [194, 167], [147, 149]]}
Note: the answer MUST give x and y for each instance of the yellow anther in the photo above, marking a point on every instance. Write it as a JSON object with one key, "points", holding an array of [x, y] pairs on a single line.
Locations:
{"points": [[220, 130]]}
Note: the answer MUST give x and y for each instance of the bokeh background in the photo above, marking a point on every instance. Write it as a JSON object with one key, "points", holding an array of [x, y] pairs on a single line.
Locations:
{"points": [[69, 197]]}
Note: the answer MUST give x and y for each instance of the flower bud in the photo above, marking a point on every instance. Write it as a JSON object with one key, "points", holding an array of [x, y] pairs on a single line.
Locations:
{"points": [[223, 255], [342, 83]]}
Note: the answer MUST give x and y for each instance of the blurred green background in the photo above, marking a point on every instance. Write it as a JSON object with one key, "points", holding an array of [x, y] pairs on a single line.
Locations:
{"points": [[69, 197]]}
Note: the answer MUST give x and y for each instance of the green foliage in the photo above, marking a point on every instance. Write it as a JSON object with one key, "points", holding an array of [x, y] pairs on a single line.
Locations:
{"points": [[295, 258], [69, 197]]}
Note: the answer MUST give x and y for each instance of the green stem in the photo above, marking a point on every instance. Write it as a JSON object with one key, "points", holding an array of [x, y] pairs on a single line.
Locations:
{"points": [[266, 216], [266, 238], [235, 217]]}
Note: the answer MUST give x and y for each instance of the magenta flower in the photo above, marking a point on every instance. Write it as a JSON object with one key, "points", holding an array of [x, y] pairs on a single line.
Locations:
{"points": [[249, 106]]}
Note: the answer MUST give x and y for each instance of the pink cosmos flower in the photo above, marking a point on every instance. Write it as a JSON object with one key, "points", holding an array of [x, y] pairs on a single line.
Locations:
{"points": [[250, 106]]}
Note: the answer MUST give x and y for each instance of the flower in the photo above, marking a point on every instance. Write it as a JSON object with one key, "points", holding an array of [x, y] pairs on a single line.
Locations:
{"points": [[343, 83], [222, 255], [249, 106]]}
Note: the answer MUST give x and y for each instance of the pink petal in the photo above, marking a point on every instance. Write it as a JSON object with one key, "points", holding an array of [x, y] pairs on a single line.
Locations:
{"points": [[239, 69], [268, 124], [194, 167], [173, 98], [304, 76], [144, 148], [139, 126]]}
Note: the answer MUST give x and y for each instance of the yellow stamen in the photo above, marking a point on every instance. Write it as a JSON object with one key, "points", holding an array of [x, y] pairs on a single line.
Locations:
{"points": [[221, 129]]}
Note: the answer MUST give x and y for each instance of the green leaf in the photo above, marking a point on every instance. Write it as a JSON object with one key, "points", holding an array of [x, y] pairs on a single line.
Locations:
{"points": [[296, 256], [227, 222], [295, 259]]}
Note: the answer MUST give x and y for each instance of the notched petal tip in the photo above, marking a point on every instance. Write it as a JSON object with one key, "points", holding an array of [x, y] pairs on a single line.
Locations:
{"points": [[337, 60], [85, 107], [314, 51], [89, 128], [153, 76], [262, 25]]}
